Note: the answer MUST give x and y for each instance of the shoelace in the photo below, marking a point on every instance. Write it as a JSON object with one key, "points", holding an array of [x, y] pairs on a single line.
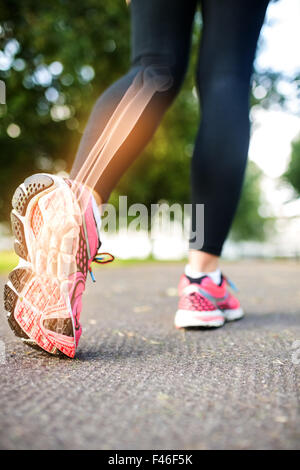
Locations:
{"points": [[231, 284], [101, 258]]}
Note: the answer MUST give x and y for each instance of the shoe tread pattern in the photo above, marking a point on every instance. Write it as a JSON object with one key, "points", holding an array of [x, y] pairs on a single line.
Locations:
{"points": [[33, 185], [18, 277], [10, 300]]}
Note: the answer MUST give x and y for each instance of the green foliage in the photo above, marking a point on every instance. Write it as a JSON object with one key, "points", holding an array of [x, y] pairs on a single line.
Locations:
{"points": [[292, 175], [90, 40]]}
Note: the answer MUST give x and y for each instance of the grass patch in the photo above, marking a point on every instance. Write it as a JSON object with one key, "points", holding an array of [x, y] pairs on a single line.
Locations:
{"points": [[136, 261], [8, 260]]}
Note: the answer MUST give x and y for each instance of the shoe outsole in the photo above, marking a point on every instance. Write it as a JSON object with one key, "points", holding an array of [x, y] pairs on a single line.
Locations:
{"points": [[188, 319], [10, 300], [32, 187], [19, 276], [234, 314]]}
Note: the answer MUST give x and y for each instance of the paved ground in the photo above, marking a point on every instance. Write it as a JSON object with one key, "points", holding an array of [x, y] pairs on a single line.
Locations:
{"points": [[139, 383]]}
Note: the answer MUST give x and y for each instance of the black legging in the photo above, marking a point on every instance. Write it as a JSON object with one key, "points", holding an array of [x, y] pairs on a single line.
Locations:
{"points": [[161, 33]]}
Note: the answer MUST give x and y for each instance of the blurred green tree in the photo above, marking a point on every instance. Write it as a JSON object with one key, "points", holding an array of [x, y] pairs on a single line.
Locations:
{"points": [[292, 174], [55, 60]]}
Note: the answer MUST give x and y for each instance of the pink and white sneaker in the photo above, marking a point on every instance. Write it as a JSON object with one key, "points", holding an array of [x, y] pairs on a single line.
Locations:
{"points": [[205, 303], [56, 243]]}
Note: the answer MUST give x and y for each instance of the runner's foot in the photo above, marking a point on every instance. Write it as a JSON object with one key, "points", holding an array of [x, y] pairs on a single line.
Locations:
{"points": [[56, 244], [206, 304]]}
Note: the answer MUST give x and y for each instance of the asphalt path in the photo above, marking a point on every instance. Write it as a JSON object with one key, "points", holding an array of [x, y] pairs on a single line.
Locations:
{"points": [[138, 383]]}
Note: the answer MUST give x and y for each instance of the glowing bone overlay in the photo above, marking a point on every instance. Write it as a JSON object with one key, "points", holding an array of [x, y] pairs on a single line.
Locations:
{"points": [[146, 83]]}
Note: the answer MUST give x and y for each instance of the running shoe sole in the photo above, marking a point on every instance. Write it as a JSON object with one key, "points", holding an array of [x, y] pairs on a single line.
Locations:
{"points": [[211, 319], [46, 221]]}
